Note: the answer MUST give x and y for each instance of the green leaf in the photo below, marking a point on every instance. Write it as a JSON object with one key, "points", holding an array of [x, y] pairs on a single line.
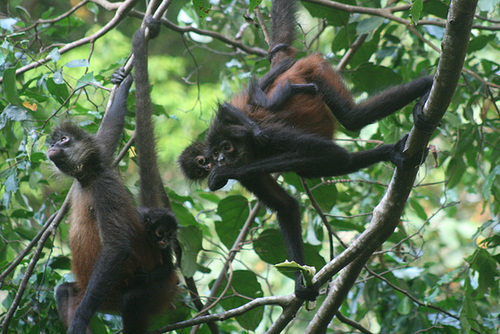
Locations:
{"points": [[308, 272], [468, 312], [486, 266], [234, 211], [333, 17], [11, 184], [243, 283], [369, 25], [190, 238], [58, 91], [370, 78], [419, 210], [489, 181], [455, 171], [202, 8], [183, 215], [405, 306], [436, 7], [60, 262], [9, 86], [15, 113], [416, 10], [253, 4], [77, 63], [85, 80], [478, 43], [326, 196], [55, 55], [270, 247]]}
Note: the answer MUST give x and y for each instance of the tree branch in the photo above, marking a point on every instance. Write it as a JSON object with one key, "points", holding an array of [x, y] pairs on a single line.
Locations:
{"points": [[387, 214], [124, 8]]}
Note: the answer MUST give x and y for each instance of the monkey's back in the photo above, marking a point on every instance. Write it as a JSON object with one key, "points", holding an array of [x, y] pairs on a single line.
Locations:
{"points": [[306, 112], [108, 200]]}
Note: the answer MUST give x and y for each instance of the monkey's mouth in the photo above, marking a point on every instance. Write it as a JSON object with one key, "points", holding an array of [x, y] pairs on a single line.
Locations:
{"points": [[52, 152], [207, 167]]}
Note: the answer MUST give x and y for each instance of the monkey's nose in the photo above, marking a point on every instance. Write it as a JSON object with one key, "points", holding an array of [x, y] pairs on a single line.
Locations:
{"points": [[221, 160]]}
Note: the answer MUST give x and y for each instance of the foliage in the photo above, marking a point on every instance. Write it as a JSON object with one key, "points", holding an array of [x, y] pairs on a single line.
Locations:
{"points": [[438, 272]]}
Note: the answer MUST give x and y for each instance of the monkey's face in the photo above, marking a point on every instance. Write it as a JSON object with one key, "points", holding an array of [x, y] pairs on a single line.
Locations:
{"points": [[161, 226], [194, 163], [72, 150], [225, 153]]}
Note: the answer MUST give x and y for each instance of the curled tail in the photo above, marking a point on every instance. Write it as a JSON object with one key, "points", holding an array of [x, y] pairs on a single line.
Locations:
{"points": [[283, 24]]}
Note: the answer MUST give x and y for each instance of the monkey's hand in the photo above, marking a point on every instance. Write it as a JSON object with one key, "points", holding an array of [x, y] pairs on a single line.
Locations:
{"points": [[305, 292], [118, 76], [422, 122], [217, 178], [402, 161]]}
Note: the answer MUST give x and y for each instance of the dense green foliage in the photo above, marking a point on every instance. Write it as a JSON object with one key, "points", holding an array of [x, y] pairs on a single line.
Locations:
{"points": [[438, 273]]}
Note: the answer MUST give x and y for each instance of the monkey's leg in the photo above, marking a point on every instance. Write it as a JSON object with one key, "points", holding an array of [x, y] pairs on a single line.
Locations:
{"points": [[356, 116], [134, 310], [287, 209], [270, 77], [68, 297], [108, 270], [284, 91]]}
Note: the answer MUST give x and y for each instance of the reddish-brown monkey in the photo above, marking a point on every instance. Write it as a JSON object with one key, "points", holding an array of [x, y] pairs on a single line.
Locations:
{"points": [[285, 122], [121, 259]]}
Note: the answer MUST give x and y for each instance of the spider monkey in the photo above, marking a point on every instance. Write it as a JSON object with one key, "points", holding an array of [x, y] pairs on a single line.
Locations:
{"points": [[285, 122], [120, 260]]}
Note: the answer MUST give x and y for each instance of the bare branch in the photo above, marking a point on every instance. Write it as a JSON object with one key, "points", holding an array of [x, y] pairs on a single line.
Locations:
{"points": [[283, 301], [387, 214], [119, 15]]}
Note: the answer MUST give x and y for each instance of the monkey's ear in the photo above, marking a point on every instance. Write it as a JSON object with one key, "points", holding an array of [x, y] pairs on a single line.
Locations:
{"points": [[228, 114]]}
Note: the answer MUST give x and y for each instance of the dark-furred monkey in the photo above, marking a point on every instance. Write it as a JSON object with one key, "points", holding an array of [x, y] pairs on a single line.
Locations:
{"points": [[285, 122], [119, 264]]}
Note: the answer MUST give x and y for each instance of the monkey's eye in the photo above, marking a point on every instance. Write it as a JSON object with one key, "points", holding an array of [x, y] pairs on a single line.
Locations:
{"points": [[227, 147], [200, 160], [64, 139]]}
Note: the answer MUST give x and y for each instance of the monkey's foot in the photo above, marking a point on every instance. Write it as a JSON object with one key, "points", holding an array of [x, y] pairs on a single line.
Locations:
{"points": [[421, 121], [402, 161]]}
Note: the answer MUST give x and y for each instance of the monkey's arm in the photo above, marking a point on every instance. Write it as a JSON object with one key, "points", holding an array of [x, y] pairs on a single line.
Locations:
{"points": [[272, 195], [355, 117], [114, 120], [310, 156]]}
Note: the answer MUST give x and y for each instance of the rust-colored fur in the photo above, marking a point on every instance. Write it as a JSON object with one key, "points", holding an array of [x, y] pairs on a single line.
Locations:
{"points": [[306, 112]]}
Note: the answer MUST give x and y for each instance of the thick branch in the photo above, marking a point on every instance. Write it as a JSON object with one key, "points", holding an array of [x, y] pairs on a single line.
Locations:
{"points": [[119, 15], [387, 214]]}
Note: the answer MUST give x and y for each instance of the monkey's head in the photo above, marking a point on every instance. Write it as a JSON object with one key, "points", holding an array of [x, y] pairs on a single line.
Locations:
{"points": [[228, 139], [161, 226], [74, 151], [194, 163]]}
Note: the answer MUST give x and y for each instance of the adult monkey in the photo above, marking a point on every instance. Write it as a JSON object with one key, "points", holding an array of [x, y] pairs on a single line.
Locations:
{"points": [[116, 265], [285, 122]]}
